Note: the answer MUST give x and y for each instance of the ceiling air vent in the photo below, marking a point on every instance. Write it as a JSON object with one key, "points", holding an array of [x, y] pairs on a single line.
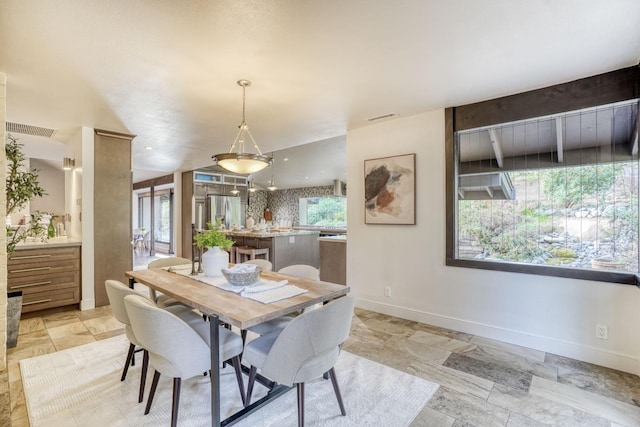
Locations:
{"points": [[29, 129]]}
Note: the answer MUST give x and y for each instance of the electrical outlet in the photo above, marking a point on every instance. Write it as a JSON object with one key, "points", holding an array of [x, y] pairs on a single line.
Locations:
{"points": [[602, 332], [387, 291]]}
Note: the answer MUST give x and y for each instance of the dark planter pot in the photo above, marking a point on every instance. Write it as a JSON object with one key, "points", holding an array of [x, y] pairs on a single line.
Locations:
{"points": [[14, 311]]}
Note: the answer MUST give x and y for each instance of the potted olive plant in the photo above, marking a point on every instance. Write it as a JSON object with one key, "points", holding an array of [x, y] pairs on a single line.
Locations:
{"points": [[21, 186], [216, 257]]}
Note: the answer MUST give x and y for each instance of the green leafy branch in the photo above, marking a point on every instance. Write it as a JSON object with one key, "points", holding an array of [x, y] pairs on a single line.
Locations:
{"points": [[22, 186]]}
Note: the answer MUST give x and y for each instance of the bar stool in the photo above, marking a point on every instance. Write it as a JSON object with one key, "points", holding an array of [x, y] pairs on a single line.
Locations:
{"points": [[243, 253]]}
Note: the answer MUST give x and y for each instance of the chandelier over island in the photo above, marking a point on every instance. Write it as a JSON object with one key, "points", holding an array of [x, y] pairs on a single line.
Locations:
{"points": [[242, 162]]}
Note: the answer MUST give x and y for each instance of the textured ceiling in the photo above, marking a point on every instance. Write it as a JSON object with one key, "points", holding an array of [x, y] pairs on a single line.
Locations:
{"points": [[166, 71]]}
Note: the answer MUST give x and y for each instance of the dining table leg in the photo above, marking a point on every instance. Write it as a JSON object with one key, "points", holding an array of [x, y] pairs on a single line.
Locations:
{"points": [[215, 369]]}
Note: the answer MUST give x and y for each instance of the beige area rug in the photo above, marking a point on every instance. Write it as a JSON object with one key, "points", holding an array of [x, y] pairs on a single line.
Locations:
{"points": [[81, 387]]}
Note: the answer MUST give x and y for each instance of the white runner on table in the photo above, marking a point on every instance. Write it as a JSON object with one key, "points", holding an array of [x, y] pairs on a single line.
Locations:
{"points": [[264, 291]]}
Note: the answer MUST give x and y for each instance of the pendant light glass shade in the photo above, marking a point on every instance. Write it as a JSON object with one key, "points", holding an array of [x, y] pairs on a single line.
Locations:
{"points": [[241, 162]]}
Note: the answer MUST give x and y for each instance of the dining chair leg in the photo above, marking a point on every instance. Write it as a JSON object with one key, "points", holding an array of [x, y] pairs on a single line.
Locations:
{"points": [[252, 377], [336, 389], [143, 374], [176, 401], [300, 388], [132, 348], [152, 392], [235, 361], [243, 335]]}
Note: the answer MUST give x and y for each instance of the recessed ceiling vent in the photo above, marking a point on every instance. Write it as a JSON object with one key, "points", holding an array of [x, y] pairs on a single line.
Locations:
{"points": [[384, 116], [29, 129]]}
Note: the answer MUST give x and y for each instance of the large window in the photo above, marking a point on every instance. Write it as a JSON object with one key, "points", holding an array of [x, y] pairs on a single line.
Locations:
{"points": [[328, 211], [553, 194], [161, 216]]}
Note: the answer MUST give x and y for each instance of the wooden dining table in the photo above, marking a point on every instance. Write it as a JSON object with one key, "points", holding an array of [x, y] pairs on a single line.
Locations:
{"points": [[233, 309]]}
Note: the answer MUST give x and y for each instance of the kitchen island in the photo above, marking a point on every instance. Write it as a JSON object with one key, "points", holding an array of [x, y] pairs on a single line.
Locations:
{"points": [[286, 247]]}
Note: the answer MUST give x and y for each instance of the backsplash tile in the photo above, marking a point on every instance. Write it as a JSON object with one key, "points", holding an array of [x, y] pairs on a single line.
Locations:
{"points": [[283, 204]]}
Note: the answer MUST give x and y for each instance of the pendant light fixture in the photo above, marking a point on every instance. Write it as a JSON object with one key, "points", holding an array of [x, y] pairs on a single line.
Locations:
{"points": [[68, 164], [235, 190], [252, 188], [272, 183], [241, 162]]}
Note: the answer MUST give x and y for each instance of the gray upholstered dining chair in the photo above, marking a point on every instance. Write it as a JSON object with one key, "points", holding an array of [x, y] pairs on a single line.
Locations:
{"points": [[307, 348], [177, 349], [262, 263], [164, 300], [116, 292], [301, 270]]}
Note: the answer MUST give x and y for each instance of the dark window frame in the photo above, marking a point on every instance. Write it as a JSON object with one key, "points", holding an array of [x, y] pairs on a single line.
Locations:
{"points": [[607, 88]]}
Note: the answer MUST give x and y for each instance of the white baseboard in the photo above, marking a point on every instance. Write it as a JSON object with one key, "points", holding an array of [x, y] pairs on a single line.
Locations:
{"points": [[597, 356], [87, 304]]}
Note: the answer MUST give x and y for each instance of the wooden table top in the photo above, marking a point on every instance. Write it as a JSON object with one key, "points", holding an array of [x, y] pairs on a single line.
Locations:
{"points": [[230, 307]]}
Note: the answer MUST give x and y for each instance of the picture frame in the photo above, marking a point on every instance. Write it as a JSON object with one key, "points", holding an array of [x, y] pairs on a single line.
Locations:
{"points": [[390, 190]]}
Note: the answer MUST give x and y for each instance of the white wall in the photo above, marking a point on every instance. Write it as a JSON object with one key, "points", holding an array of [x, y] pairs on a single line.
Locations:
{"points": [[546, 313], [73, 186], [177, 213]]}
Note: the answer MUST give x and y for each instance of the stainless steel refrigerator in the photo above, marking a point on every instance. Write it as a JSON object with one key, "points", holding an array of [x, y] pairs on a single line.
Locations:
{"points": [[228, 209]]}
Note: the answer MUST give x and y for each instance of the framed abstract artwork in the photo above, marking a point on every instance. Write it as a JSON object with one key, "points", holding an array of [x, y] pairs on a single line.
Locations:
{"points": [[390, 190]]}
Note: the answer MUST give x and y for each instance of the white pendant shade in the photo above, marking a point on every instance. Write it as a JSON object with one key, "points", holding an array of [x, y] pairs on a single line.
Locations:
{"points": [[243, 163]]}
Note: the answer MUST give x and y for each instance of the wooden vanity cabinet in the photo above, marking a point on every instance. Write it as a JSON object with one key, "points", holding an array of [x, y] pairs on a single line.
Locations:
{"points": [[47, 277]]}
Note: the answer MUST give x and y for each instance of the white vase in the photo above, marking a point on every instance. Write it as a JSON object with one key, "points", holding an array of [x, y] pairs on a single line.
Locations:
{"points": [[213, 260]]}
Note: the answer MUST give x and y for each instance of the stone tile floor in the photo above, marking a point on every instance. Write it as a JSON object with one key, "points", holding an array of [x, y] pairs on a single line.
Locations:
{"points": [[482, 382]]}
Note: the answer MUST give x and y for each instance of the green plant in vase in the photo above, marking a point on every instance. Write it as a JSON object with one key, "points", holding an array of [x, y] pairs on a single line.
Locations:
{"points": [[22, 187], [215, 259], [213, 237]]}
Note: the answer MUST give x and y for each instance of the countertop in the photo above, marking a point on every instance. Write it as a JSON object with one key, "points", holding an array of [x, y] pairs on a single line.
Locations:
{"points": [[55, 242], [337, 239], [263, 234], [328, 230]]}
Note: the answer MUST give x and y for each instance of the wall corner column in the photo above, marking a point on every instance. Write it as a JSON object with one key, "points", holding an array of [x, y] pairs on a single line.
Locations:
{"points": [[3, 236]]}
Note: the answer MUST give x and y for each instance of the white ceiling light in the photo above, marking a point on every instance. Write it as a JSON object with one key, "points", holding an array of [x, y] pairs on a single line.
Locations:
{"points": [[242, 162], [235, 190]]}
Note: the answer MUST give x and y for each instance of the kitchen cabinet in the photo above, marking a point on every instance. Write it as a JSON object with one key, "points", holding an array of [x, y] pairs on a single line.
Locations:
{"points": [[333, 259], [47, 276]]}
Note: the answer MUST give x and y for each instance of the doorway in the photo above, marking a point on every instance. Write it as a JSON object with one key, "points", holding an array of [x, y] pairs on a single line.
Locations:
{"points": [[153, 223]]}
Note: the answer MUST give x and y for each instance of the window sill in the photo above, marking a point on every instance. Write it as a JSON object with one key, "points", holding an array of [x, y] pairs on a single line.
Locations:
{"points": [[540, 270]]}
